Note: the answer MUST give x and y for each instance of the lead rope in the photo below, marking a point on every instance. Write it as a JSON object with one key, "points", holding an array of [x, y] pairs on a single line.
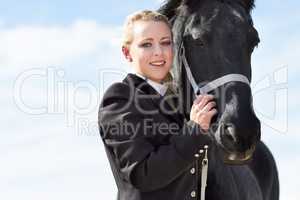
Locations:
{"points": [[204, 173]]}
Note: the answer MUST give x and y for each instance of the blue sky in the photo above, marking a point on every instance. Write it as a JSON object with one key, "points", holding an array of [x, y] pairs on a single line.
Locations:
{"points": [[57, 58], [64, 12]]}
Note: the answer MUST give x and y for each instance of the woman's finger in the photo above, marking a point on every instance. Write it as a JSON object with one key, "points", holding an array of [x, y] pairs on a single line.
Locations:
{"points": [[209, 106], [198, 99], [212, 112], [205, 99]]}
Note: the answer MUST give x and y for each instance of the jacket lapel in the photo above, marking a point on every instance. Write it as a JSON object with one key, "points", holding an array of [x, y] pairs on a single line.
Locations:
{"points": [[141, 86]]}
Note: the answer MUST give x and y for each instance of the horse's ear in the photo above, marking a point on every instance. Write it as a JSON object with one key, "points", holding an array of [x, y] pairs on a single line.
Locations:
{"points": [[169, 8], [249, 4]]}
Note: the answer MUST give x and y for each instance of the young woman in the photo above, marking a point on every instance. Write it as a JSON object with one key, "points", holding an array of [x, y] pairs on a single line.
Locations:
{"points": [[153, 152]]}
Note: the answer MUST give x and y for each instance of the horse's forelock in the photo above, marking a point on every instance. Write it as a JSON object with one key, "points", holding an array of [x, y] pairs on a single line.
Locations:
{"points": [[170, 7]]}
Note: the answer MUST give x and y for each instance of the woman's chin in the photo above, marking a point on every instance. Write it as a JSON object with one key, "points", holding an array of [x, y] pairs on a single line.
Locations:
{"points": [[158, 78]]}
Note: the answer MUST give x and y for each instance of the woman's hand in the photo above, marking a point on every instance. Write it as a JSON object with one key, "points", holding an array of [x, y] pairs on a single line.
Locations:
{"points": [[203, 110]]}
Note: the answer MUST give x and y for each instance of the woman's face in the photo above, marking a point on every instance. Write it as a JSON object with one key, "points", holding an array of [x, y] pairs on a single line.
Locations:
{"points": [[151, 49]]}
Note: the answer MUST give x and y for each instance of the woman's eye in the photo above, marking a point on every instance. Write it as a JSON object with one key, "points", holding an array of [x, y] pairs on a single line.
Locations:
{"points": [[166, 43], [147, 44]]}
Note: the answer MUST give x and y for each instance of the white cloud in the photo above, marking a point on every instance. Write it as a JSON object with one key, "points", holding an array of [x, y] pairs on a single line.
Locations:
{"points": [[55, 166], [26, 47]]}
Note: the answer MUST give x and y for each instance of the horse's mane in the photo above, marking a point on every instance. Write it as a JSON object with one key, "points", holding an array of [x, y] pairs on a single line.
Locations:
{"points": [[170, 7]]}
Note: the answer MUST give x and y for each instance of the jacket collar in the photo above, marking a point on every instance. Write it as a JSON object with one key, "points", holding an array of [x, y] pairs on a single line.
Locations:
{"points": [[159, 87], [141, 86]]}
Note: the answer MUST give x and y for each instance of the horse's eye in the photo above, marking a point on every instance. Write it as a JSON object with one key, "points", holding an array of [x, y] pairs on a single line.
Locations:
{"points": [[253, 38], [196, 39], [198, 35]]}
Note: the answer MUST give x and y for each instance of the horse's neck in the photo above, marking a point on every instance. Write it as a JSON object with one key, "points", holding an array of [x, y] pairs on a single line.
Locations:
{"points": [[224, 181], [221, 183]]}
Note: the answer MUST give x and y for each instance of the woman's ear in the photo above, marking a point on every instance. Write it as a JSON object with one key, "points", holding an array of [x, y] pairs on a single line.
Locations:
{"points": [[126, 53]]}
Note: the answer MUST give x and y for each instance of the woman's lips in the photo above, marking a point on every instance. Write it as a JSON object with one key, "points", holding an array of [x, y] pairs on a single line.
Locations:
{"points": [[158, 63]]}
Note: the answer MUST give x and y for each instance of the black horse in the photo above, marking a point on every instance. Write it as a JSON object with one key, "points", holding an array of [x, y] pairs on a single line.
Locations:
{"points": [[214, 40]]}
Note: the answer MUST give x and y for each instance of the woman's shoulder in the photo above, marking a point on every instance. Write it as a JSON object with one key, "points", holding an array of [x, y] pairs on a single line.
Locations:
{"points": [[124, 89], [117, 100], [117, 90]]}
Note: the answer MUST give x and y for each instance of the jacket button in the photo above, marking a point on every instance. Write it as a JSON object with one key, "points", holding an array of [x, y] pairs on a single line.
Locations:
{"points": [[193, 194], [192, 170], [197, 155]]}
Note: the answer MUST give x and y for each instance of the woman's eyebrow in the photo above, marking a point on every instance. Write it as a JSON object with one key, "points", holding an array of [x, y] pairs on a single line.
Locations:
{"points": [[147, 39], [151, 39], [166, 37]]}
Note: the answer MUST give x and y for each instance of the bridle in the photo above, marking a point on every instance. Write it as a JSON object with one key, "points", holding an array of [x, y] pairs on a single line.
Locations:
{"points": [[212, 85], [204, 89]]}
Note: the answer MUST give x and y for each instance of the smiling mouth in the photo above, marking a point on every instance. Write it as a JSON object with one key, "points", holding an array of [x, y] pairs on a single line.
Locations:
{"points": [[158, 63]]}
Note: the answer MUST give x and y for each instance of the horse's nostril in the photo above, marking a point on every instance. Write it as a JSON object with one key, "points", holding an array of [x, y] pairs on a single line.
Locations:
{"points": [[229, 134]]}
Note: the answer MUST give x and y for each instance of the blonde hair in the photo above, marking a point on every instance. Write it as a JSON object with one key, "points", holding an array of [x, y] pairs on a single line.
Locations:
{"points": [[144, 15]]}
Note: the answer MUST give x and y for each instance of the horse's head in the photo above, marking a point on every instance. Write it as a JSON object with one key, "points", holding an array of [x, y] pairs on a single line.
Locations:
{"points": [[218, 37]]}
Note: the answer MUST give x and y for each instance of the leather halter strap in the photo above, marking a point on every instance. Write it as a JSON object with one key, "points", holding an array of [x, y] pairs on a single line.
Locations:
{"points": [[210, 86]]}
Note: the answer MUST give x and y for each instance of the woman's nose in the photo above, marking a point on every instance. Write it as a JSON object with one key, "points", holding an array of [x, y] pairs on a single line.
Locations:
{"points": [[158, 50]]}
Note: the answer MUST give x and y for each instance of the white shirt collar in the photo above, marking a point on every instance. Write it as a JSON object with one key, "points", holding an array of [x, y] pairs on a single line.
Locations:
{"points": [[160, 88]]}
